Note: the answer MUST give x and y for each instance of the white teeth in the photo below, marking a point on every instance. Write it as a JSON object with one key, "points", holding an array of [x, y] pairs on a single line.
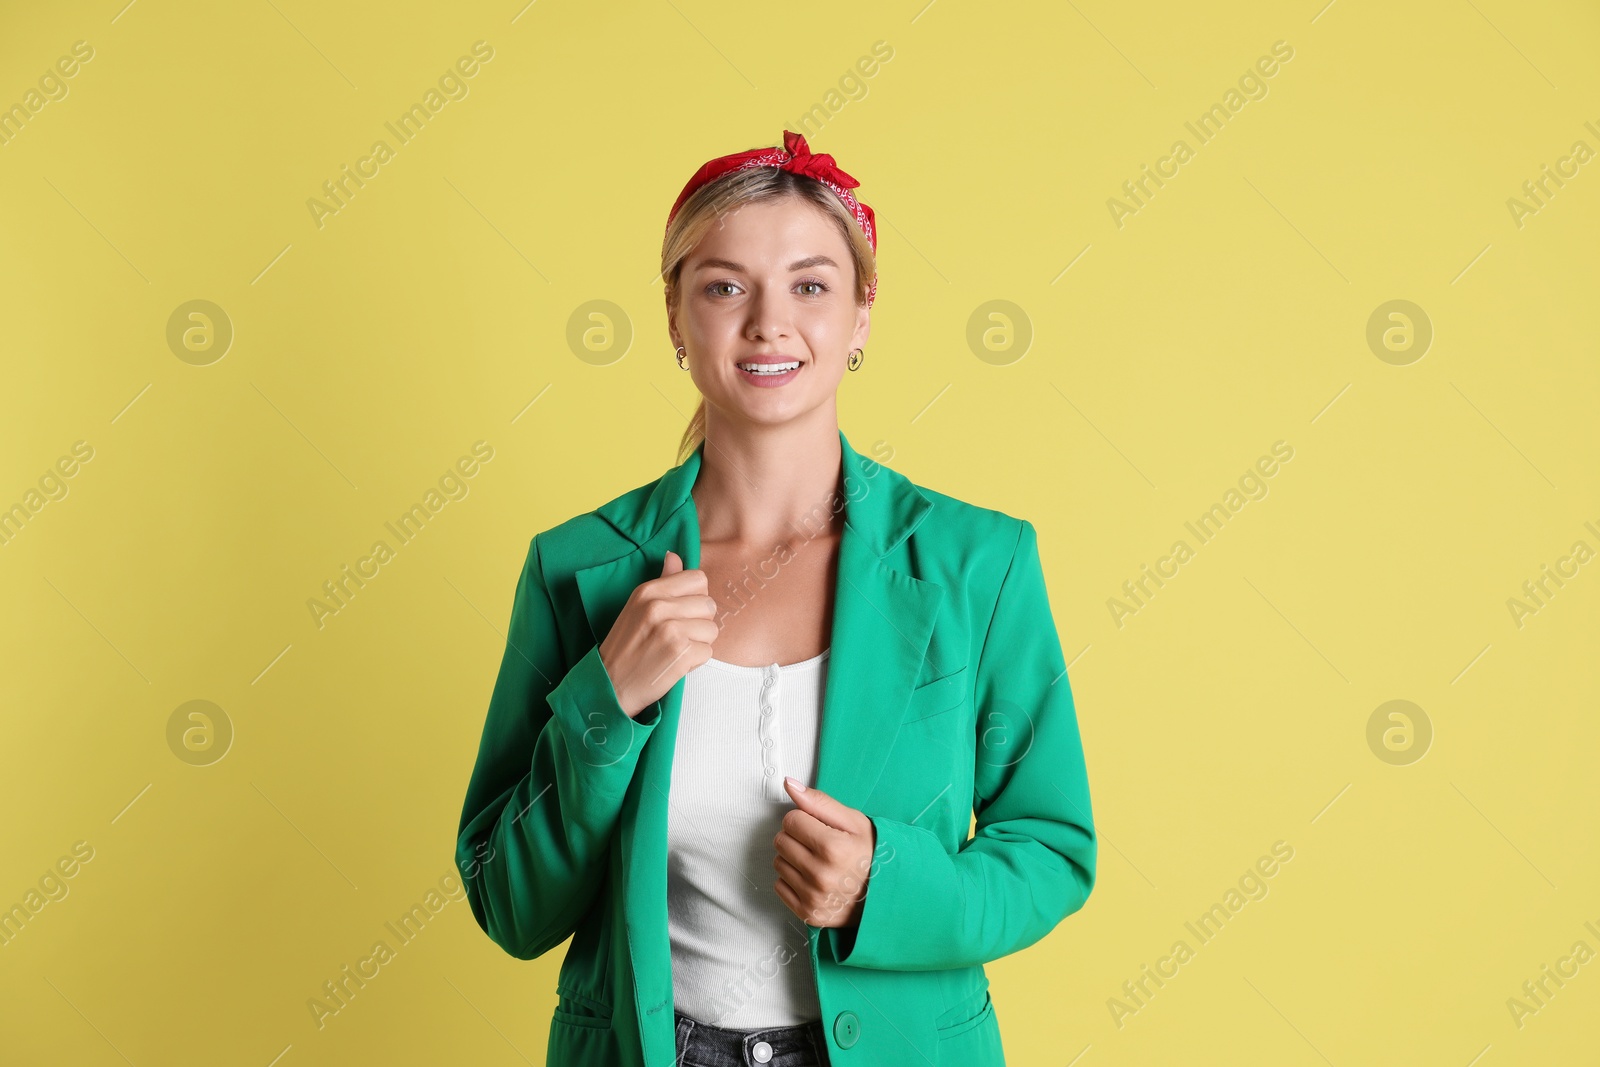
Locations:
{"points": [[769, 368]]}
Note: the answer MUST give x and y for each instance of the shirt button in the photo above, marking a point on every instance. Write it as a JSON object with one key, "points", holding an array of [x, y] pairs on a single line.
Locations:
{"points": [[761, 1052]]}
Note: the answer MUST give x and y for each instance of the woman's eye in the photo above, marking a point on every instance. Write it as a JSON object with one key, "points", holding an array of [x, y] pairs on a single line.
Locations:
{"points": [[716, 288]]}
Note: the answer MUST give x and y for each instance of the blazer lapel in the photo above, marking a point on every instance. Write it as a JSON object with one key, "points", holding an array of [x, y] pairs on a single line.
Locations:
{"points": [[666, 520], [883, 621]]}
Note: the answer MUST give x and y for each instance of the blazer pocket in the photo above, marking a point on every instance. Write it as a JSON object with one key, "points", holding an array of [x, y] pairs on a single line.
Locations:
{"points": [[575, 1009], [938, 696], [973, 1010]]}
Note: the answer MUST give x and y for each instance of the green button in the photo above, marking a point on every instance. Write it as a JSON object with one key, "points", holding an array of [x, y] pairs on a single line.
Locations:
{"points": [[846, 1029]]}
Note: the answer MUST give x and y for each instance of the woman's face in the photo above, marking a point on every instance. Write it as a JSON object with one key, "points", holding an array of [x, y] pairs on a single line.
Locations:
{"points": [[775, 281]]}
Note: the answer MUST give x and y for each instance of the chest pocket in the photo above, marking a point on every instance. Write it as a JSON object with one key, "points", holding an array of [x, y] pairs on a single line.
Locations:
{"points": [[938, 696]]}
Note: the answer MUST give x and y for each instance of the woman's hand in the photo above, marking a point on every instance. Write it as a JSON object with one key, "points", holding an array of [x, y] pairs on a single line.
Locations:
{"points": [[664, 631], [824, 858]]}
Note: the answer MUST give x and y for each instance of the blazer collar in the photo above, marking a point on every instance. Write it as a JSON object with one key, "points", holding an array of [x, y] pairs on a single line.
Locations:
{"points": [[883, 506]]}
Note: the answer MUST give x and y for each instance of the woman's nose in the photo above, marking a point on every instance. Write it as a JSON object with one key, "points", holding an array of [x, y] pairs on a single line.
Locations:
{"points": [[768, 317]]}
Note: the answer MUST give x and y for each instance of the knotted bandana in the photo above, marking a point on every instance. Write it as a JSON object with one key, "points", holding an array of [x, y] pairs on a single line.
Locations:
{"points": [[794, 156]]}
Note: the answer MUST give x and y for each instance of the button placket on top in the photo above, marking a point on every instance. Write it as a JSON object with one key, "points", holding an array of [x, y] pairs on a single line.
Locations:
{"points": [[767, 731]]}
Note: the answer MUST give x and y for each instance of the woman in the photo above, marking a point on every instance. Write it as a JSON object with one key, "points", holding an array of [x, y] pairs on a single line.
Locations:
{"points": [[748, 711]]}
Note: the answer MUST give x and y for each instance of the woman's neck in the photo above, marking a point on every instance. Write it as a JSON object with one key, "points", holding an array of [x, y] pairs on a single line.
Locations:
{"points": [[762, 485]]}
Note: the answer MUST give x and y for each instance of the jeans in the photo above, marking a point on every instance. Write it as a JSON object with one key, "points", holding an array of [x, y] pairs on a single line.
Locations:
{"points": [[703, 1045]]}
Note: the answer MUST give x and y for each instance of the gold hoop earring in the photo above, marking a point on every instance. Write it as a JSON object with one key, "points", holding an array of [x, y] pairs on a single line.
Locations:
{"points": [[856, 361], [679, 358]]}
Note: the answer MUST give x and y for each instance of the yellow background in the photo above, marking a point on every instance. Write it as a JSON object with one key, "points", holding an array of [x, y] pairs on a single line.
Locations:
{"points": [[432, 311]]}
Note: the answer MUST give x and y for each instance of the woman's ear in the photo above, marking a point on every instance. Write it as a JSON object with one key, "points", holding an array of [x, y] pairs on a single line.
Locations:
{"points": [[863, 327]]}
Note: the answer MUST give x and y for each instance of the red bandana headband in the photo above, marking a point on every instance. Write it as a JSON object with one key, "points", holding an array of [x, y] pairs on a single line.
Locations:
{"points": [[797, 158]]}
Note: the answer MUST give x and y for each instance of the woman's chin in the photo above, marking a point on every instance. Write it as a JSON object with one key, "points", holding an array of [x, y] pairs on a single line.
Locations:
{"points": [[767, 408]]}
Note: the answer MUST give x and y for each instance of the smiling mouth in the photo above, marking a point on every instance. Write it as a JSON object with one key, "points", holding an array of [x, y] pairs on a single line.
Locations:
{"points": [[769, 368]]}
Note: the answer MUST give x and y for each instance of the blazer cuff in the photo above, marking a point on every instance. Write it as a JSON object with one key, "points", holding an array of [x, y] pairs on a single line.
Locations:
{"points": [[602, 740], [915, 892]]}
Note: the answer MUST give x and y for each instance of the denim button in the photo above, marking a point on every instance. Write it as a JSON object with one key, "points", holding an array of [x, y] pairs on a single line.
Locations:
{"points": [[761, 1052]]}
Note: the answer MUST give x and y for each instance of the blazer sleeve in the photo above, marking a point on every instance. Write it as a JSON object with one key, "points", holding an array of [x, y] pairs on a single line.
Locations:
{"points": [[1031, 862], [554, 762]]}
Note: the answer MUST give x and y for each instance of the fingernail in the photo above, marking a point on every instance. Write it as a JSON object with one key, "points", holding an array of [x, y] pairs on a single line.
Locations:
{"points": [[799, 786]]}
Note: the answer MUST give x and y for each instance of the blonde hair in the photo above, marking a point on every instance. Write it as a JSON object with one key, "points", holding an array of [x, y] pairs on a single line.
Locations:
{"points": [[751, 186]]}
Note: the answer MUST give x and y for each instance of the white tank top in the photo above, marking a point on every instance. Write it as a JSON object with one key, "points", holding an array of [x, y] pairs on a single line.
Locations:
{"points": [[741, 959]]}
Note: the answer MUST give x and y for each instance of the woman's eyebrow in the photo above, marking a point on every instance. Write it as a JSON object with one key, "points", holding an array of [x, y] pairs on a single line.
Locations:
{"points": [[799, 264]]}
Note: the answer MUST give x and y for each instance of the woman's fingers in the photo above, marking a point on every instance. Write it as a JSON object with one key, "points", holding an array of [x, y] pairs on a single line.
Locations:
{"points": [[665, 630]]}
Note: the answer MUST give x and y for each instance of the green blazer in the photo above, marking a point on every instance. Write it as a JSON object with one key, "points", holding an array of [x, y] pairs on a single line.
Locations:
{"points": [[946, 697]]}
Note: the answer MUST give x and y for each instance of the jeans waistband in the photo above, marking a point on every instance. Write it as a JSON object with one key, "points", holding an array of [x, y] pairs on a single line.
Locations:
{"points": [[782, 1046]]}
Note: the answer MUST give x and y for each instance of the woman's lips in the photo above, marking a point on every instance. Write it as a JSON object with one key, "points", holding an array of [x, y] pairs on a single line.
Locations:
{"points": [[769, 378]]}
